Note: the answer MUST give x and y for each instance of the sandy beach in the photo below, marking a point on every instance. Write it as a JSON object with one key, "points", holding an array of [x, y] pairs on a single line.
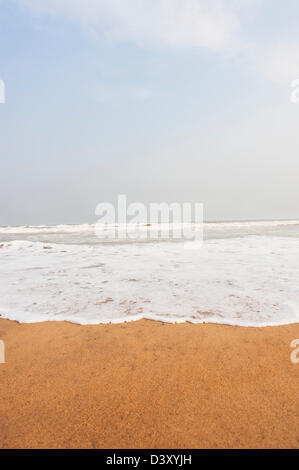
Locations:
{"points": [[148, 384]]}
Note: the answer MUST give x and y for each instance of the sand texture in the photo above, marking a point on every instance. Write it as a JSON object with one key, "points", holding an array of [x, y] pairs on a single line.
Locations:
{"points": [[148, 385]]}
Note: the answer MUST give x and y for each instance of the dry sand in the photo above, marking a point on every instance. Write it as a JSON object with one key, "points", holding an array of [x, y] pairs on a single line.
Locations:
{"points": [[148, 385]]}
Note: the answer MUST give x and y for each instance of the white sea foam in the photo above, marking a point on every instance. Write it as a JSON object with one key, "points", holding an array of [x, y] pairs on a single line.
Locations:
{"points": [[236, 278]]}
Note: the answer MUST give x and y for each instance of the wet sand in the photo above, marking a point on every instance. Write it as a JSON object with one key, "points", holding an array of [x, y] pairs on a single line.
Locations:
{"points": [[148, 385]]}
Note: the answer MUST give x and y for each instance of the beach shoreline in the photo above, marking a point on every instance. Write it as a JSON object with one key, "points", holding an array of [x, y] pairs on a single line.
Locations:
{"points": [[148, 384]]}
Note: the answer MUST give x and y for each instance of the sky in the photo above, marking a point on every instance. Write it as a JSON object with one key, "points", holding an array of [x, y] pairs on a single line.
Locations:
{"points": [[161, 100]]}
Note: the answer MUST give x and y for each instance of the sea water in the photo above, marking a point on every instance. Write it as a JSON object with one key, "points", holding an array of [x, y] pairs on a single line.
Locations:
{"points": [[244, 273]]}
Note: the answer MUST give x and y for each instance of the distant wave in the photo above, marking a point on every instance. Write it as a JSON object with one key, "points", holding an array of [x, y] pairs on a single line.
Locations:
{"points": [[91, 227]]}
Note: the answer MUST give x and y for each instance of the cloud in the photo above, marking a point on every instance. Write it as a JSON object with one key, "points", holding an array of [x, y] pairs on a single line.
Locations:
{"points": [[280, 63], [211, 24], [141, 94], [223, 26], [101, 92]]}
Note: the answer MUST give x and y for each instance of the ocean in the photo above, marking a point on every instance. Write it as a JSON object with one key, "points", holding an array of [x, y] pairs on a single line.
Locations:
{"points": [[245, 274]]}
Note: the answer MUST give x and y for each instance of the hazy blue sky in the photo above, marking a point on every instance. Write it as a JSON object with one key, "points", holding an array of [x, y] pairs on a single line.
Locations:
{"points": [[162, 100]]}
